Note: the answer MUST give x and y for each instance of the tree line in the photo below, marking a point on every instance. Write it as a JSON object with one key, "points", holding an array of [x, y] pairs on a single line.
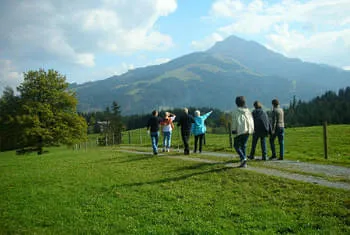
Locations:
{"points": [[332, 107]]}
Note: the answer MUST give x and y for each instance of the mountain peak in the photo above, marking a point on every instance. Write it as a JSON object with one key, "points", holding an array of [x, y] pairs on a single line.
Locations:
{"points": [[238, 46]]}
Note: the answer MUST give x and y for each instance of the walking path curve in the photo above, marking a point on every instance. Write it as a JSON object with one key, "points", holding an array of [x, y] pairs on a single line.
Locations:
{"points": [[293, 170]]}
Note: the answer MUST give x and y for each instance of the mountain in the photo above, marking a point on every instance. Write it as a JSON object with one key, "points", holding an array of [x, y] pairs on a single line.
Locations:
{"points": [[213, 78]]}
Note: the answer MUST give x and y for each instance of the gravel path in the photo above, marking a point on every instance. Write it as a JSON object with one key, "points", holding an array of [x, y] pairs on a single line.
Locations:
{"points": [[265, 168]]}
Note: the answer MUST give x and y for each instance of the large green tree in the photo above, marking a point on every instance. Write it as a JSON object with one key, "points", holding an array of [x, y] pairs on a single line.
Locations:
{"points": [[49, 110]]}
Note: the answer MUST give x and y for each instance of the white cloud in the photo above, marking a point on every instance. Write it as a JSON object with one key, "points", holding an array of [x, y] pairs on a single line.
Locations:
{"points": [[121, 27], [73, 32], [314, 30], [346, 67], [322, 47], [161, 61], [9, 75], [226, 8], [207, 42]]}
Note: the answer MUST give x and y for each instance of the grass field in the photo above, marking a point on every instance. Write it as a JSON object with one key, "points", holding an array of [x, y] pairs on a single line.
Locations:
{"points": [[103, 191], [304, 144]]}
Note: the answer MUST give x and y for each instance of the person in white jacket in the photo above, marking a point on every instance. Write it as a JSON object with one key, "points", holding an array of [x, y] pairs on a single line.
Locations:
{"points": [[242, 127]]}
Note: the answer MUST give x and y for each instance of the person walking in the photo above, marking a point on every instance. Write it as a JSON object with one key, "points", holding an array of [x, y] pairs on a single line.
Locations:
{"points": [[277, 129], [153, 129], [167, 128], [261, 130], [185, 122], [199, 129], [242, 126]]}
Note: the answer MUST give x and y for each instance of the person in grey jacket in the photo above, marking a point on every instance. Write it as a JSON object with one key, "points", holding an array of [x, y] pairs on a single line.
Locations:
{"points": [[261, 130], [277, 126], [242, 126]]}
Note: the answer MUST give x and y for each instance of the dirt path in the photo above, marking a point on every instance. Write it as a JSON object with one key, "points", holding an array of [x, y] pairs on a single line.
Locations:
{"points": [[293, 170]]}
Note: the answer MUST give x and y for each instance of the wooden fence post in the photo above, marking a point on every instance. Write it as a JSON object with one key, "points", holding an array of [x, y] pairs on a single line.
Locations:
{"points": [[325, 140], [129, 135], [230, 135], [140, 136]]}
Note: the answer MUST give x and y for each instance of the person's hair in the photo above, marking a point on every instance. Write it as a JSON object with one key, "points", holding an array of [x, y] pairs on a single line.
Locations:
{"points": [[257, 105], [197, 113], [154, 112], [240, 101], [275, 102], [186, 110]]}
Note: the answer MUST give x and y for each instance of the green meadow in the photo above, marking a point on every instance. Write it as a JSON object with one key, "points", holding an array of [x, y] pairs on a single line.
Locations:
{"points": [[99, 190]]}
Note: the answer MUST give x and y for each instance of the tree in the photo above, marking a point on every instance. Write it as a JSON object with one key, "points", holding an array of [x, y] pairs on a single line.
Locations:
{"points": [[113, 127], [10, 129], [50, 110]]}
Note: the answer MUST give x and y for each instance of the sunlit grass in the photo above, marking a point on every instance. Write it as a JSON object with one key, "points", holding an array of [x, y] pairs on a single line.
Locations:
{"points": [[102, 191]]}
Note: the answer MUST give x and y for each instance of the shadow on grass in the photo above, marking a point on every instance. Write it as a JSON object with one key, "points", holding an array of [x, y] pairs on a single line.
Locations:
{"points": [[112, 159], [138, 158], [198, 166], [173, 179], [130, 159]]}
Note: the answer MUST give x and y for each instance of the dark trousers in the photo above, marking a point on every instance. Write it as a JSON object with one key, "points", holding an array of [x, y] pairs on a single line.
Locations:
{"points": [[263, 145], [185, 139], [280, 135], [200, 138]]}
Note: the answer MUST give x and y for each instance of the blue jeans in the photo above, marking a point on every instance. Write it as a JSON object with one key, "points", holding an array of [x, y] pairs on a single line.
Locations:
{"points": [[240, 144], [154, 139], [263, 145], [280, 135], [167, 139]]}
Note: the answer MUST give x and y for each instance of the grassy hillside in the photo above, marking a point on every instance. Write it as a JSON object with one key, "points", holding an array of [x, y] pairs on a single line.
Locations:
{"points": [[102, 191], [98, 190]]}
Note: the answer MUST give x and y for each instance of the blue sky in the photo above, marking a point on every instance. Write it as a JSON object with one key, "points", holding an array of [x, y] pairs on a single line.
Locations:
{"points": [[89, 40]]}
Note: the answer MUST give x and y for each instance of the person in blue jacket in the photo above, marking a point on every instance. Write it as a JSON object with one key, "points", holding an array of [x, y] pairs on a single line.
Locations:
{"points": [[199, 129]]}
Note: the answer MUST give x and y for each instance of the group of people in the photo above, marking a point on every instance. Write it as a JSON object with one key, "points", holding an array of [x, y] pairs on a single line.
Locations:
{"points": [[188, 124], [257, 123], [244, 123]]}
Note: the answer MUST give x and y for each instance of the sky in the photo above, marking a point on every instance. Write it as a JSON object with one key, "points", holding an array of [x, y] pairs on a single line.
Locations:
{"points": [[89, 40]]}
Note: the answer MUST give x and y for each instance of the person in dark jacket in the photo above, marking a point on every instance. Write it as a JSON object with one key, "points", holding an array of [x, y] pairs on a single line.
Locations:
{"points": [[153, 128], [185, 122], [261, 130]]}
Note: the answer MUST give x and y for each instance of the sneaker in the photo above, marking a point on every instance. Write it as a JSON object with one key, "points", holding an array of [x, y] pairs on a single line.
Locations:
{"points": [[155, 153], [251, 157], [168, 150], [264, 158], [273, 158], [163, 150], [280, 158], [243, 164]]}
